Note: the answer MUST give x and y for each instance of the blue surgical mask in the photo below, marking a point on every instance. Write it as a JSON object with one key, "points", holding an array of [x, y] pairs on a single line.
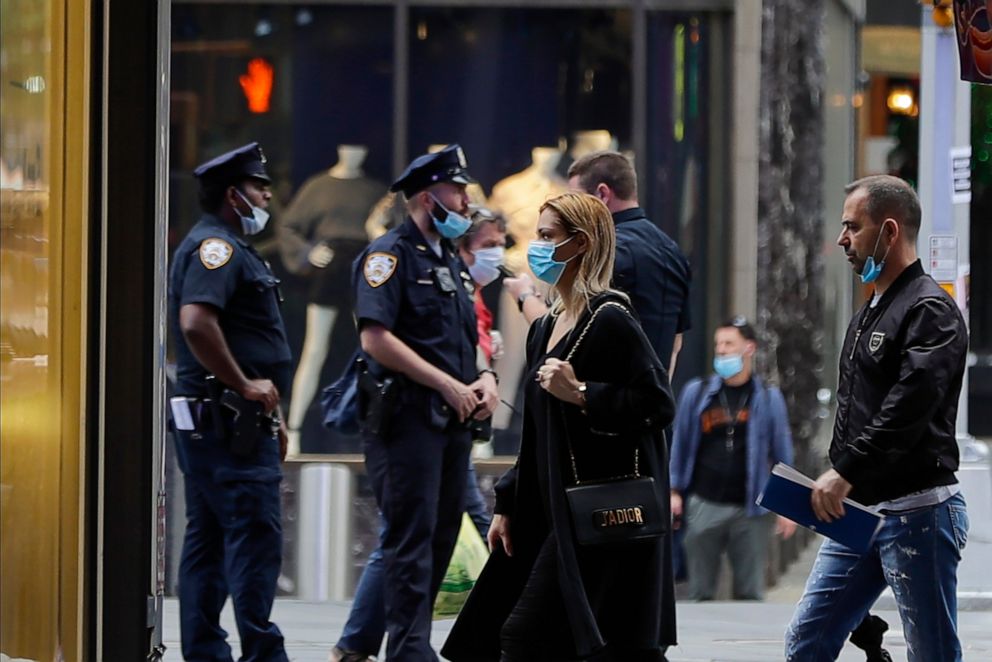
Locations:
{"points": [[452, 225], [256, 222], [728, 366], [541, 258], [871, 271], [485, 269]]}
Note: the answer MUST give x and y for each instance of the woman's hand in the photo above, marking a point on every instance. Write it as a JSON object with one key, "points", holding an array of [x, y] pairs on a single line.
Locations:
{"points": [[557, 378], [499, 532]]}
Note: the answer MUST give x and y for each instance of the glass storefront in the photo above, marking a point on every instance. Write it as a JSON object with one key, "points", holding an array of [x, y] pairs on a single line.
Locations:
{"points": [[523, 90], [42, 60]]}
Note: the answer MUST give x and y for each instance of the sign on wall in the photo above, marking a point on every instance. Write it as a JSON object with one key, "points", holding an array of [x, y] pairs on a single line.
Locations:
{"points": [[973, 21]]}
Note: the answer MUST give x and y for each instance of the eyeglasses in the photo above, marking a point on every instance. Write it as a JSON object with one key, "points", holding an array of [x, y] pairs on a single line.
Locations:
{"points": [[739, 322]]}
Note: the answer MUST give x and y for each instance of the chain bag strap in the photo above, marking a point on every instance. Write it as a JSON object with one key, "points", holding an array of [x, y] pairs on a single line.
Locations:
{"points": [[618, 510]]}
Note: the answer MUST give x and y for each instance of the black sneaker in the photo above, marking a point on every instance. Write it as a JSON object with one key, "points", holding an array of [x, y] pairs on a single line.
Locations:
{"points": [[340, 655]]}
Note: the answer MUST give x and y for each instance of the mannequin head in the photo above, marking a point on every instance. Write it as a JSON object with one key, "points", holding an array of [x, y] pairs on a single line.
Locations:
{"points": [[545, 159], [350, 160], [584, 142]]}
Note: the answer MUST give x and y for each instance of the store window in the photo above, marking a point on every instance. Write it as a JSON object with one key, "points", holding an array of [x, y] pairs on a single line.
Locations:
{"points": [[321, 80], [505, 81], [525, 91], [675, 187]]}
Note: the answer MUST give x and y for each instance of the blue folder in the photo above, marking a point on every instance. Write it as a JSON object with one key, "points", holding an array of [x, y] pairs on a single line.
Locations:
{"points": [[788, 492]]}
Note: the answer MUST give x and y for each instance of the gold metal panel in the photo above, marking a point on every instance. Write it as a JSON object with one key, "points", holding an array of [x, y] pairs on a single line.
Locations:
{"points": [[43, 134]]}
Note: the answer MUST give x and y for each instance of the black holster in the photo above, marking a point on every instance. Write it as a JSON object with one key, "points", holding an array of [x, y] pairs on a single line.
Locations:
{"points": [[377, 399], [214, 391], [249, 424]]}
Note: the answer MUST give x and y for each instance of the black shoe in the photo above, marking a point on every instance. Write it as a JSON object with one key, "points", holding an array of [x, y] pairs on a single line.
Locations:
{"points": [[868, 637], [341, 655]]}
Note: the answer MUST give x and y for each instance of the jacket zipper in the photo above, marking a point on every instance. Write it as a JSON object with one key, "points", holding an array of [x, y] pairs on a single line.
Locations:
{"points": [[851, 371]]}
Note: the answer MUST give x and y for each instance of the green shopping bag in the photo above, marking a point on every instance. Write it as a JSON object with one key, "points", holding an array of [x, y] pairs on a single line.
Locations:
{"points": [[466, 563]]}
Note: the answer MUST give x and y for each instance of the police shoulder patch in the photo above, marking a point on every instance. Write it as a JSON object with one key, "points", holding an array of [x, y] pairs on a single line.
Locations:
{"points": [[379, 267], [215, 252]]}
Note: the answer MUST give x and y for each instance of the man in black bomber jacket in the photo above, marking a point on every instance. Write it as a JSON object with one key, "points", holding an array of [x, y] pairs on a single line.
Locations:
{"points": [[893, 445]]}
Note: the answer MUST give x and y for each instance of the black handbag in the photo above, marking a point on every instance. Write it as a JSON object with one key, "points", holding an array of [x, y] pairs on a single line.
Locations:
{"points": [[618, 510]]}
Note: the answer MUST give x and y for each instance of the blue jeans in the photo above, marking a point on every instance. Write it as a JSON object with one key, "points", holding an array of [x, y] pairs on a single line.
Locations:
{"points": [[475, 504], [366, 625], [916, 554]]}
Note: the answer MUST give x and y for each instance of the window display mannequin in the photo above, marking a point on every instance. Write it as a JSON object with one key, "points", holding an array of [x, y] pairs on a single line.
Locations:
{"points": [[587, 142], [519, 197], [322, 232]]}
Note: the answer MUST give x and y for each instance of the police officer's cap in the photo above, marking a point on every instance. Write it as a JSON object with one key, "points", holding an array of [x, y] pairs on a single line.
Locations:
{"points": [[235, 166], [448, 165]]}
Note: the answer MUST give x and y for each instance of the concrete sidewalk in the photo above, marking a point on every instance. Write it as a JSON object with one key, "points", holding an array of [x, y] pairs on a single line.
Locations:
{"points": [[715, 631], [719, 631]]}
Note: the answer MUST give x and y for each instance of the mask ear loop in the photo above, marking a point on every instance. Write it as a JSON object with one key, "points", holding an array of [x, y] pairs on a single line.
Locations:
{"points": [[887, 248], [557, 246], [244, 199], [440, 204], [881, 231]]}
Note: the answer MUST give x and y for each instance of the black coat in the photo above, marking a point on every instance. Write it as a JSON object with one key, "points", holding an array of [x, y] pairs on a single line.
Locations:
{"points": [[901, 370], [628, 404]]}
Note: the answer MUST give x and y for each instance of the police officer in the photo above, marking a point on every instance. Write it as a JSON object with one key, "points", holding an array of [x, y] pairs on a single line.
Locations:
{"points": [[417, 324], [233, 359]]}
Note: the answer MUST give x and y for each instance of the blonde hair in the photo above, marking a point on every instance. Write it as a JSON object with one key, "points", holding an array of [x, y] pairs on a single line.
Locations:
{"points": [[581, 213]]}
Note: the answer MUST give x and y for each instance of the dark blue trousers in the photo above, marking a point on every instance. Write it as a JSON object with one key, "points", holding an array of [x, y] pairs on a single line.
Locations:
{"points": [[418, 476], [233, 546], [366, 625]]}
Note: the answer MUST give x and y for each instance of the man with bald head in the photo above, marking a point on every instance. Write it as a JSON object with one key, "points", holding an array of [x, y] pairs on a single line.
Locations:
{"points": [[893, 446]]}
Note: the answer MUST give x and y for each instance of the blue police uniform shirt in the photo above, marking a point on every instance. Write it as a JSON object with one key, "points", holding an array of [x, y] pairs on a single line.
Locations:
{"points": [[400, 283], [652, 270], [215, 265]]}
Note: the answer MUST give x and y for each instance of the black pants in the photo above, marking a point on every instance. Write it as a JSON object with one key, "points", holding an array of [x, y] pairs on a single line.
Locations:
{"points": [[418, 476]]}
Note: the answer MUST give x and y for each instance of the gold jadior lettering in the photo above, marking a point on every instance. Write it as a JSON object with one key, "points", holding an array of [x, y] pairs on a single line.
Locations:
{"points": [[611, 517]]}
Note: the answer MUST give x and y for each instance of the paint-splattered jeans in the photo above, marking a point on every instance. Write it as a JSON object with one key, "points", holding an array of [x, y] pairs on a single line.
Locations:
{"points": [[916, 553]]}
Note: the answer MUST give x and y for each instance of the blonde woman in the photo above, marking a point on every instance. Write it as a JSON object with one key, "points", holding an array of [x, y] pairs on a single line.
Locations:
{"points": [[543, 596]]}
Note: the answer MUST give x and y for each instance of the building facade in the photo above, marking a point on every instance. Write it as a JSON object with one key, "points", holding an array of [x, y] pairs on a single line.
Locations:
{"points": [[111, 105]]}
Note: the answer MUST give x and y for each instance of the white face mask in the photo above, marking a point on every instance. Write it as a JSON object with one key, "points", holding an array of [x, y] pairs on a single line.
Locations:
{"points": [[487, 264], [256, 222]]}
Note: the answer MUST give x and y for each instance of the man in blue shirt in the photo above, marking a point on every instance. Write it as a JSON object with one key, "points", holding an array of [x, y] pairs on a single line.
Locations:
{"points": [[730, 429]]}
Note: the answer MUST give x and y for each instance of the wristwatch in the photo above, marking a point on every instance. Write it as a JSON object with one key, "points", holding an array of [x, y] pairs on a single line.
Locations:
{"points": [[582, 393], [491, 372]]}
